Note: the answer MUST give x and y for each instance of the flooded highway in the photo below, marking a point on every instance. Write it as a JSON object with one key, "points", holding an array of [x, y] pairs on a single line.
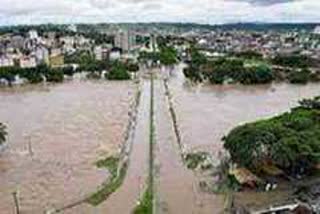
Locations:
{"points": [[178, 188], [126, 197]]}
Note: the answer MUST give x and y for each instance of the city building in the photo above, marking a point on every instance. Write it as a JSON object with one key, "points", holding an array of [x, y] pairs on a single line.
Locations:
{"points": [[101, 53], [42, 54], [33, 34], [124, 40], [28, 62], [6, 61], [56, 60], [115, 54]]}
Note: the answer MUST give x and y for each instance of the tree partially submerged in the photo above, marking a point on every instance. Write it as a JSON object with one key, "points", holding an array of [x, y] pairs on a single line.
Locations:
{"points": [[118, 72]]}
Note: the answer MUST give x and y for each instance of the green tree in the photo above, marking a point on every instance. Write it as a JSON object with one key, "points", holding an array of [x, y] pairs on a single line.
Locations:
{"points": [[290, 141], [118, 72], [168, 56], [55, 75], [294, 60], [299, 77]]}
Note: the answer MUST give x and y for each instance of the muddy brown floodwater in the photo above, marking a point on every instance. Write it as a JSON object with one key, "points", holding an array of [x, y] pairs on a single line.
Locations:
{"points": [[178, 188], [206, 113], [56, 134]]}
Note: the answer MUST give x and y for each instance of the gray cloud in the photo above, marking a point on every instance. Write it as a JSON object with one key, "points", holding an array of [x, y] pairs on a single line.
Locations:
{"points": [[203, 11]]}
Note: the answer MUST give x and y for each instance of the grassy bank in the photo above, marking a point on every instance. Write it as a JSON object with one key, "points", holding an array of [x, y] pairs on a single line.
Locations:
{"points": [[112, 184]]}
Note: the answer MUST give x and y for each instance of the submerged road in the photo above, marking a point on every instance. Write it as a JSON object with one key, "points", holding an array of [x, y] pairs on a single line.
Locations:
{"points": [[125, 198], [178, 187]]}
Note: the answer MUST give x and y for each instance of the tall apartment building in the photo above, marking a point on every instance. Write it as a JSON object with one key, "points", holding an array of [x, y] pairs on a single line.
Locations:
{"points": [[124, 40]]}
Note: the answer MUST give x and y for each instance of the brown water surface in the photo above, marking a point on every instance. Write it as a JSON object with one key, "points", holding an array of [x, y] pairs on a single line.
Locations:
{"points": [[56, 134], [178, 188], [206, 113]]}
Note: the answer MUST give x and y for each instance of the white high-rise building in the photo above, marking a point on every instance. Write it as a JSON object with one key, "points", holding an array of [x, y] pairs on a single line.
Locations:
{"points": [[124, 40]]}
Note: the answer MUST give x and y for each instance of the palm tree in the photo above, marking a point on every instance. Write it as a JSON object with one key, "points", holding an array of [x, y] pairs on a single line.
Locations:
{"points": [[3, 133]]}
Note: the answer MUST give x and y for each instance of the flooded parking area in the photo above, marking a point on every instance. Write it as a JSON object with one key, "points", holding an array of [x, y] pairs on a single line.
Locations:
{"points": [[206, 113], [56, 134]]}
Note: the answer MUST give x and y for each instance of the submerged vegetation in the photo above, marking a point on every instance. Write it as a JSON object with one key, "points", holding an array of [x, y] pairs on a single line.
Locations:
{"points": [[227, 69], [290, 141], [34, 75], [145, 206], [248, 68], [198, 160], [118, 72], [113, 183]]}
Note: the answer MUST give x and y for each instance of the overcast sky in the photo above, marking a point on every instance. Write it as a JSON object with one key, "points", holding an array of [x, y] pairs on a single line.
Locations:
{"points": [[200, 11]]}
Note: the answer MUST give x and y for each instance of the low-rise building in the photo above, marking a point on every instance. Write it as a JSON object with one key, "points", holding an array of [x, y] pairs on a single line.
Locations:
{"points": [[28, 62], [6, 61], [42, 55], [115, 54], [101, 53], [56, 60]]}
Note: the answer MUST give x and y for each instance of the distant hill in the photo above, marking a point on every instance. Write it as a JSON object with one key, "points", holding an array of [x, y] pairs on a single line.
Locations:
{"points": [[170, 27], [244, 26]]}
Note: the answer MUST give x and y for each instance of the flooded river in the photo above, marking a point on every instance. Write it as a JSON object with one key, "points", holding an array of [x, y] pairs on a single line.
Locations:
{"points": [[206, 113], [56, 134]]}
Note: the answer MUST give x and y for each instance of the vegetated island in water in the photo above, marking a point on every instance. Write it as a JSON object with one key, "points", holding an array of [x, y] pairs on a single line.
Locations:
{"points": [[250, 67], [275, 162]]}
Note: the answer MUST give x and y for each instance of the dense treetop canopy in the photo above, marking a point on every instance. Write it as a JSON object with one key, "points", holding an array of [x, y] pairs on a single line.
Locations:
{"points": [[289, 141]]}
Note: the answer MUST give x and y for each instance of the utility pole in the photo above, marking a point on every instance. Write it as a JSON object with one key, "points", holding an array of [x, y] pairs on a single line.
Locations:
{"points": [[16, 202], [30, 147]]}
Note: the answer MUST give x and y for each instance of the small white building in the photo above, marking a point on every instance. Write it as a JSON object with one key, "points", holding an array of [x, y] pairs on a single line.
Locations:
{"points": [[42, 55], [68, 44], [6, 61], [28, 62], [33, 34], [55, 52], [115, 55]]}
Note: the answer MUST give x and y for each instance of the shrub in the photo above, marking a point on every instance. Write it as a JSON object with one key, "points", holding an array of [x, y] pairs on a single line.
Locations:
{"points": [[118, 72], [55, 75], [299, 77]]}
